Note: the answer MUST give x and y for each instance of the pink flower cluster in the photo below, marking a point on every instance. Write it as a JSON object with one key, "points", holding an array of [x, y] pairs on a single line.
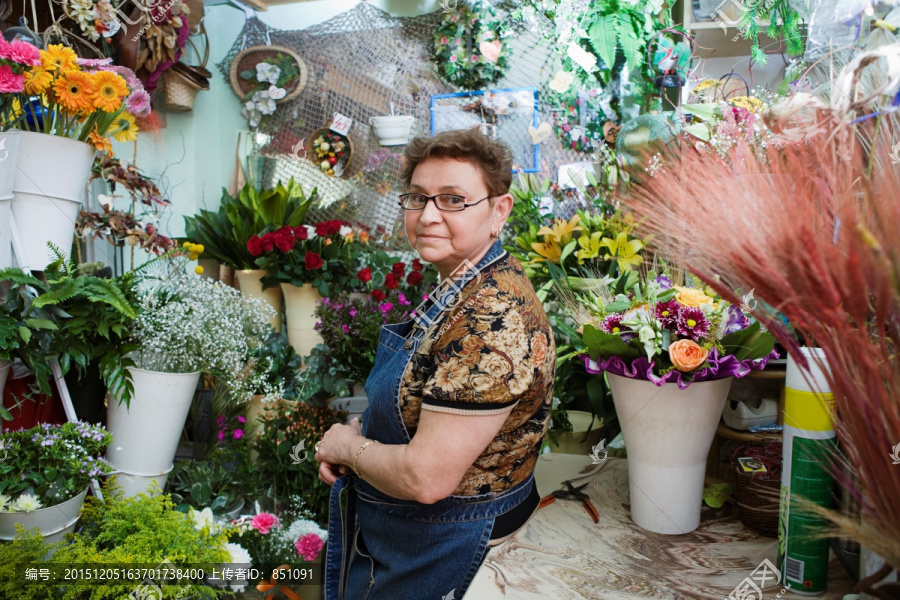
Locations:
{"points": [[264, 522], [309, 546], [13, 57]]}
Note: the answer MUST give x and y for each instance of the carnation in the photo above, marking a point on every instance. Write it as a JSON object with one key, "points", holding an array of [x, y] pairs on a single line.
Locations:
{"points": [[264, 522]]}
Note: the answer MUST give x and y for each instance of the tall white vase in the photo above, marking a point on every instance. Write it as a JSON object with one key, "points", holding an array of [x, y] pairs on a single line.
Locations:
{"points": [[299, 306], [51, 177], [251, 286], [146, 434], [668, 433], [9, 155]]}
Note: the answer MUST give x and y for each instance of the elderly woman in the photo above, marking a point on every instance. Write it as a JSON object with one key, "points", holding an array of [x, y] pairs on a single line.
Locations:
{"points": [[459, 398]]}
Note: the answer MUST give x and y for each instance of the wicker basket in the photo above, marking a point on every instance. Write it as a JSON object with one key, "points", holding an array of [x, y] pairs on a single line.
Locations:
{"points": [[758, 497], [183, 81]]}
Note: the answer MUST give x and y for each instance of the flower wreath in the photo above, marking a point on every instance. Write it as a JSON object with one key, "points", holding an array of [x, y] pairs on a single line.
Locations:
{"points": [[330, 151], [470, 51], [582, 136]]}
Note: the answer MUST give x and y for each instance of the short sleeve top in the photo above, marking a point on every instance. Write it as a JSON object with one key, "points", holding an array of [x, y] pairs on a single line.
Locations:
{"points": [[493, 350]]}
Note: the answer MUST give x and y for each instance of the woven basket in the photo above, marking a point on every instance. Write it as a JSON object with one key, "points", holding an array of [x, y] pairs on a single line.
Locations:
{"points": [[183, 81], [758, 498]]}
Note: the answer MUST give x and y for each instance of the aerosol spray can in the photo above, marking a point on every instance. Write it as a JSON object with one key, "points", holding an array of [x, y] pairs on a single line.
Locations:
{"points": [[809, 445]]}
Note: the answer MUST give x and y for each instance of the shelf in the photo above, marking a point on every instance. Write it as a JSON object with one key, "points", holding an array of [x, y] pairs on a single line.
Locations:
{"points": [[729, 433]]}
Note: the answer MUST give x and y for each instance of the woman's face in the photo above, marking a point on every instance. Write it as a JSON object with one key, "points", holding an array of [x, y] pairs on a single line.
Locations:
{"points": [[445, 239]]}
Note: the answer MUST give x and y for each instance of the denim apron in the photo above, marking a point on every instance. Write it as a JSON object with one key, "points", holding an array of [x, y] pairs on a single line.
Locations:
{"points": [[384, 548]]}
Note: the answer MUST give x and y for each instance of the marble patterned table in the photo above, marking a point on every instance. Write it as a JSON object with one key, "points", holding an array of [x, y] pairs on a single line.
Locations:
{"points": [[561, 554]]}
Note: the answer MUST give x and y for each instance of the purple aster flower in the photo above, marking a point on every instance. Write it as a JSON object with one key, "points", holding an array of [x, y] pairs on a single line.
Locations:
{"points": [[613, 324], [736, 320], [386, 307], [352, 312], [664, 282], [692, 323], [667, 312]]}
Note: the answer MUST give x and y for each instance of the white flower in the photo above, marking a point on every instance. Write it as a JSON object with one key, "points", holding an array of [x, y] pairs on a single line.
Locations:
{"points": [[266, 107], [561, 81], [575, 134], [277, 93], [239, 556], [4, 500], [648, 337], [203, 518], [302, 527], [252, 115], [26, 503], [345, 231], [266, 72], [310, 232]]}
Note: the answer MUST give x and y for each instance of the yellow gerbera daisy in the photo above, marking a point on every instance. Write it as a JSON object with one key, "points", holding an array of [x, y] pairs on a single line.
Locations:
{"points": [[74, 90], [109, 89], [37, 80], [125, 129], [100, 143], [58, 57]]}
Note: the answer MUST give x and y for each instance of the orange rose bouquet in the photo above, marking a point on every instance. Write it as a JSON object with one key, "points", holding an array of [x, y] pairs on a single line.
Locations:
{"points": [[648, 328], [86, 100]]}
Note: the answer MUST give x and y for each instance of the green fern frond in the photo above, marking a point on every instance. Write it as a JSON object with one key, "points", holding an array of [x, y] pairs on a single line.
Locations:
{"points": [[66, 290], [20, 277]]}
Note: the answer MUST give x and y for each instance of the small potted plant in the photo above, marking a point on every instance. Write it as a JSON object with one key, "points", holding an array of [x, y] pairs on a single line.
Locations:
{"points": [[44, 476], [278, 366]]}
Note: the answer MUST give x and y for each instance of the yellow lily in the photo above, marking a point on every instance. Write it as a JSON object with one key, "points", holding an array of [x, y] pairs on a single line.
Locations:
{"points": [[561, 231], [624, 252], [590, 246], [549, 250]]}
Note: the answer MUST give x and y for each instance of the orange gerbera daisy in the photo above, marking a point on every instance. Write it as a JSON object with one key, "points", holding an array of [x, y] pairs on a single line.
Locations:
{"points": [[37, 80], [103, 144], [109, 89], [74, 90], [58, 57]]}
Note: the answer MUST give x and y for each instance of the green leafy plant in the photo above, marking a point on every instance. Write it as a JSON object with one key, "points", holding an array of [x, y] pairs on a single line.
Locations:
{"points": [[143, 530], [206, 483], [278, 364], [716, 495], [224, 233], [784, 22]]}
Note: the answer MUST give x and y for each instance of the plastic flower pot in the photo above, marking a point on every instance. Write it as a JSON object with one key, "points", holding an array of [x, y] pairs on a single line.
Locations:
{"points": [[146, 434], [392, 130], [51, 177], [668, 433], [9, 153], [299, 306], [251, 287], [53, 522]]}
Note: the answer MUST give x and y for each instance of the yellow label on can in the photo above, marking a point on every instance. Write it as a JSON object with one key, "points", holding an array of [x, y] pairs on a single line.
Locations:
{"points": [[808, 410]]}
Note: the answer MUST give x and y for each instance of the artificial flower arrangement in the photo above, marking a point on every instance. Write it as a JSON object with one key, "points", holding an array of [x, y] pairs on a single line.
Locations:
{"points": [[470, 49], [85, 100], [50, 464], [318, 254], [118, 226], [578, 122], [96, 18], [331, 152], [272, 77], [647, 328]]}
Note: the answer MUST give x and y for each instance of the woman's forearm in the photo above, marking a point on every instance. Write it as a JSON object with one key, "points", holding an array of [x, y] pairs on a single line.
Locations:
{"points": [[395, 470]]}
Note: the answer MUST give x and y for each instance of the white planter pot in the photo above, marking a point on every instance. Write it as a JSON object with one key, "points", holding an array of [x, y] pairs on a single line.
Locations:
{"points": [[251, 286], [145, 436], [5, 366], [392, 130], [50, 183], [54, 522], [299, 306], [9, 155], [668, 433]]}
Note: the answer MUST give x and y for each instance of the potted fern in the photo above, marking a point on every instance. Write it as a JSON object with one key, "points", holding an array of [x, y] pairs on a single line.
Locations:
{"points": [[224, 233]]}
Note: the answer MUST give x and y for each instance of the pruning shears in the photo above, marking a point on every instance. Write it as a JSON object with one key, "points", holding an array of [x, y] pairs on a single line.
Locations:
{"points": [[572, 493]]}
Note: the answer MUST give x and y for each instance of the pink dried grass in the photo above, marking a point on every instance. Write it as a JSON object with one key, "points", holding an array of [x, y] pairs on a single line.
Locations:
{"points": [[813, 228]]}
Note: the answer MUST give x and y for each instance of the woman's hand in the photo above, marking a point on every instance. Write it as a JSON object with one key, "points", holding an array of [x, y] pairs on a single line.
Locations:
{"points": [[337, 449]]}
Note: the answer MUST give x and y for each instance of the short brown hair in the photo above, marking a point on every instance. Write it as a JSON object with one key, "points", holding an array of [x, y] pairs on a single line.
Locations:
{"points": [[492, 157]]}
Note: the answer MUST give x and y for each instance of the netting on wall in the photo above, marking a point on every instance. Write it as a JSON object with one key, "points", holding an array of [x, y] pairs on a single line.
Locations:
{"points": [[359, 64]]}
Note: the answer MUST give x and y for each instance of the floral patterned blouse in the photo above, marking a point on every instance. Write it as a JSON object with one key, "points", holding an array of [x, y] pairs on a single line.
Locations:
{"points": [[494, 350]]}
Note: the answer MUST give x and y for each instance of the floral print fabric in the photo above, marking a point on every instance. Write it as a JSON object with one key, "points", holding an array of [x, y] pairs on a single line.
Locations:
{"points": [[494, 350]]}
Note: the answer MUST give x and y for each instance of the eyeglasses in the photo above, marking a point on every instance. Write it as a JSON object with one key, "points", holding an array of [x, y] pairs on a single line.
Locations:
{"points": [[445, 202]]}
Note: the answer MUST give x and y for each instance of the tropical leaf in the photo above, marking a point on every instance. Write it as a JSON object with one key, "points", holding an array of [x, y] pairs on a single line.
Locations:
{"points": [[603, 39]]}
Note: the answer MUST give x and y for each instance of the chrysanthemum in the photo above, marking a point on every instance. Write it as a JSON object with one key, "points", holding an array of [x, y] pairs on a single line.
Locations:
{"points": [[26, 503], [692, 323], [100, 143], [613, 324], [138, 103], [667, 312], [109, 90], [125, 130], [4, 502], [37, 80], [74, 90], [59, 57]]}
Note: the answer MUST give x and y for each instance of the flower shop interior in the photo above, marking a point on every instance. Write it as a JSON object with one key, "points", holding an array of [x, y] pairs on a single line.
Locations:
{"points": [[704, 194]]}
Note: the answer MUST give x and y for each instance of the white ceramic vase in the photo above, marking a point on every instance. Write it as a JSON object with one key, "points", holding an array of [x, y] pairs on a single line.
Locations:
{"points": [[251, 286], [299, 306], [51, 177], [146, 434], [392, 130], [668, 433]]}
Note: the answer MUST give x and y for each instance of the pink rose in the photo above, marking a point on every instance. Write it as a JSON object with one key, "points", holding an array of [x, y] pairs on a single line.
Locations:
{"points": [[309, 546], [264, 522]]}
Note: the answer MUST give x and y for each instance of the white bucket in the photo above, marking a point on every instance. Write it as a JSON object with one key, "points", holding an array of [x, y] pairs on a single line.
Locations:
{"points": [[146, 435], [4, 374], [299, 306], [668, 433], [9, 140], [51, 176], [796, 377], [251, 286], [392, 130], [54, 522]]}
